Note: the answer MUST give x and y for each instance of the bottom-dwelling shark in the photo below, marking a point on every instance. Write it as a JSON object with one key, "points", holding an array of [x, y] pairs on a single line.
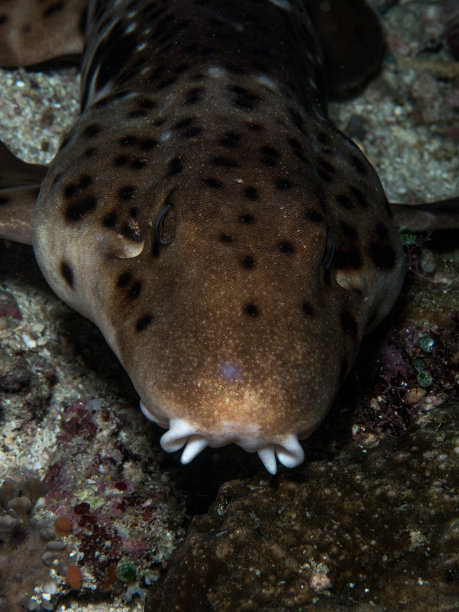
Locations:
{"points": [[231, 244]]}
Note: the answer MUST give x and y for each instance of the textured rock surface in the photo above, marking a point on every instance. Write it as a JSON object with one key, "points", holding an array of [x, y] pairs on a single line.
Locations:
{"points": [[359, 529]]}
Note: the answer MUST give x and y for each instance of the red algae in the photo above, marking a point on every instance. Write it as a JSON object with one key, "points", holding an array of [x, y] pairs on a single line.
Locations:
{"points": [[73, 576], [63, 525]]}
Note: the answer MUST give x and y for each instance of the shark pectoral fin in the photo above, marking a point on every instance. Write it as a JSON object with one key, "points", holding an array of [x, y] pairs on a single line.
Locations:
{"points": [[16, 173], [36, 32], [16, 206], [440, 215], [19, 187], [353, 44]]}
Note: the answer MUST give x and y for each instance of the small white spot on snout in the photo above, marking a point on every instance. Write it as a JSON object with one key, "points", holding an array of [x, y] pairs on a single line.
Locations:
{"points": [[131, 27], [216, 72], [229, 372], [165, 136], [285, 4], [266, 81]]}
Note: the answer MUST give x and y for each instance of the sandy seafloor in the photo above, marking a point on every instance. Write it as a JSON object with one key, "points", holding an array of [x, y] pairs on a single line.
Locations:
{"points": [[408, 116]]}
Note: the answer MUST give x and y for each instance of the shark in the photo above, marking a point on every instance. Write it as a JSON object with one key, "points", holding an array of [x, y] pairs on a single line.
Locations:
{"points": [[232, 245]]}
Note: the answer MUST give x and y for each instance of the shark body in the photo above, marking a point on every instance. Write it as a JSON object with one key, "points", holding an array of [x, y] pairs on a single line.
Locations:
{"points": [[231, 244]]}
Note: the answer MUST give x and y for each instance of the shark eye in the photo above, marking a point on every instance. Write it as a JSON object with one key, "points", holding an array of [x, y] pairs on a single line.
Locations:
{"points": [[165, 225], [329, 251]]}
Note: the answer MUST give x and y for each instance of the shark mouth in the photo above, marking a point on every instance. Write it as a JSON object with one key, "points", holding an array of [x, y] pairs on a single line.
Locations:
{"points": [[183, 434]]}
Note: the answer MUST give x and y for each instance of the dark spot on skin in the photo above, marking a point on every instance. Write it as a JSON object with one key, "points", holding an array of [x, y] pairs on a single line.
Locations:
{"points": [[110, 219], [121, 160], [67, 273], [255, 127], [147, 103], [251, 309], [357, 164], [54, 8], [348, 258], [155, 249], [297, 149], [322, 201], [157, 73], [243, 98], [286, 247], [270, 151], [184, 123], [382, 254], [315, 216], [297, 120], [350, 232], [138, 164], [127, 192], [344, 201], [246, 218], [283, 184], [128, 141], [123, 279], [89, 152], [224, 162], [323, 138], [225, 238], [134, 291], [92, 131], [131, 231], [77, 210], [230, 140], [211, 182], [269, 156], [181, 68], [143, 323], [84, 181], [135, 114], [3, 19], [269, 162], [348, 323], [251, 193], [360, 197], [329, 251], [192, 132], [194, 95], [248, 262], [166, 83], [175, 167], [4, 200], [307, 309], [147, 144], [325, 170], [382, 231], [70, 190]]}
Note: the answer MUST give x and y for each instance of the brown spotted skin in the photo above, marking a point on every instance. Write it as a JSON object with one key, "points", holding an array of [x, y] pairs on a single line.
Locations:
{"points": [[231, 244], [35, 31]]}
